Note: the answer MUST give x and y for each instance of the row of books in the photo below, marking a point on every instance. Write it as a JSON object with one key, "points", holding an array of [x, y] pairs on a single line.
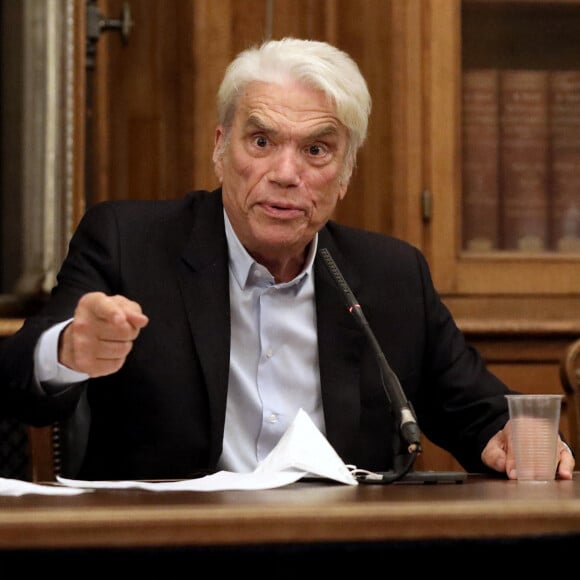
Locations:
{"points": [[521, 160]]}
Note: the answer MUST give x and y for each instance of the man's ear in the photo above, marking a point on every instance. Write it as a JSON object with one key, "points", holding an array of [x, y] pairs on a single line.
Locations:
{"points": [[343, 182], [217, 156], [343, 188]]}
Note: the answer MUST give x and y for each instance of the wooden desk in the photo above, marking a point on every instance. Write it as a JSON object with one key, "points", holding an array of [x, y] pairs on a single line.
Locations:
{"points": [[300, 513]]}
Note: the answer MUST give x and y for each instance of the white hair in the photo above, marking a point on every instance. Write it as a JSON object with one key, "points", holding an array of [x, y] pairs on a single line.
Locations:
{"points": [[316, 64]]}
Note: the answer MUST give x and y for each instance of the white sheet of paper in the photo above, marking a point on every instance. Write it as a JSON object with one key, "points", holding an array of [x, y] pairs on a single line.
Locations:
{"points": [[305, 448], [17, 487], [302, 450], [221, 480]]}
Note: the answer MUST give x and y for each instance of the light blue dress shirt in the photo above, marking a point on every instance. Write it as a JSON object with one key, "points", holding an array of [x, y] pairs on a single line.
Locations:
{"points": [[274, 357]]}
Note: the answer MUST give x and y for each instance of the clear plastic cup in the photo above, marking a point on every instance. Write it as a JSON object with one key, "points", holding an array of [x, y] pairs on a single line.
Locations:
{"points": [[535, 423]]}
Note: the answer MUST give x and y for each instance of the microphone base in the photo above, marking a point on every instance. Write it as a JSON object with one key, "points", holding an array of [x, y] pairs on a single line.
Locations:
{"points": [[414, 477]]}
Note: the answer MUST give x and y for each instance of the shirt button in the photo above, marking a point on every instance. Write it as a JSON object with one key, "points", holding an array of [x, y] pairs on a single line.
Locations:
{"points": [[269, 353], [272, 418]]}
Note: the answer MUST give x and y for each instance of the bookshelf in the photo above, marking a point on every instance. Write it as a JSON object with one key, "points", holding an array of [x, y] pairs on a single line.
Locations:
{"points": [[510, 38], [516, 296], [534, 51]]}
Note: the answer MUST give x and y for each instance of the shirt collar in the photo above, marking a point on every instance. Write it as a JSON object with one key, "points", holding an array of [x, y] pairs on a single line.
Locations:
{"points": [[242, 264]]}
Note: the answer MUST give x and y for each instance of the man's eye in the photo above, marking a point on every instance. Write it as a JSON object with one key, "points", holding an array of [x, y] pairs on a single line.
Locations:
{"points": [[260, 141], [315, 150]]}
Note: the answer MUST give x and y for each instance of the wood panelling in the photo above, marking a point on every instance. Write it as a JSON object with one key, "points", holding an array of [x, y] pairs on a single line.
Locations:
{"points": [[154, 97], [144, 104], [363, 30]]}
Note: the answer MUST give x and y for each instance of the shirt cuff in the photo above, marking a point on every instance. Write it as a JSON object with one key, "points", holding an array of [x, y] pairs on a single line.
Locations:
{"points": [[569, 448], [47, 368]]}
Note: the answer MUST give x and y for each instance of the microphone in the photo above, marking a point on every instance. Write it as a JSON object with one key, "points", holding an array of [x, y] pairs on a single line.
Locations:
{"points": [[400, 407]]}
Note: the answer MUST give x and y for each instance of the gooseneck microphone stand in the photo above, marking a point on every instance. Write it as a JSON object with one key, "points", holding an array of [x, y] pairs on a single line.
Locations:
{"points": [[407, 435]]}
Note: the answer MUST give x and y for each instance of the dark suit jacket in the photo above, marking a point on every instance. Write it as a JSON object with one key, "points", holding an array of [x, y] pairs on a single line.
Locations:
{"points": [[162, 415]]}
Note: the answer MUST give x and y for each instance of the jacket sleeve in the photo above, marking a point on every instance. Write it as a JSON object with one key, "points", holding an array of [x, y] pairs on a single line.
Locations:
{"points": [[462, 403], [87, 267]]}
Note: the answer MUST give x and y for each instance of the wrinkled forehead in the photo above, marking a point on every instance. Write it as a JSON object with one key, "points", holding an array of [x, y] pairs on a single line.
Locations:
{"points": [[290, 103], [283, 92]]}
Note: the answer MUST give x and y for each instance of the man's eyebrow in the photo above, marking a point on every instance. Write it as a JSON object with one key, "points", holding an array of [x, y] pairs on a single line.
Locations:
{"points": [[329, 130], [326, 131], [254, 122]]}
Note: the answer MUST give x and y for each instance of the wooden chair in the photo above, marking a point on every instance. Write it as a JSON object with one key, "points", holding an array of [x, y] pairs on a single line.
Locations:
{"points": [[41, 453], [14, 443], [59, 449], [43, 458], [29, 451], [570, 379]]}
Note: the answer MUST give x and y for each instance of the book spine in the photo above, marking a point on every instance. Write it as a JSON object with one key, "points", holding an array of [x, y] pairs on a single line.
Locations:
{"points": [[564, 92], [524, 159], [480, 151]]}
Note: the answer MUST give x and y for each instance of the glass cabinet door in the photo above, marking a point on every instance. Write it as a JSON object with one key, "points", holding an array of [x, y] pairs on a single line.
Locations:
{"points": [[503, 146], [520, 127]]}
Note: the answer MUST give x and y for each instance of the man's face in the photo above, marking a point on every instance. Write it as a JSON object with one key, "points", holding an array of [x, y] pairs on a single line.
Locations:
{"points": [[283, 168]]}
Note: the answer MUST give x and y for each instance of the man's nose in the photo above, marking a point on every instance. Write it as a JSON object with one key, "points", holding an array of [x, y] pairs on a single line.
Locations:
{"points": [[286, 167]]}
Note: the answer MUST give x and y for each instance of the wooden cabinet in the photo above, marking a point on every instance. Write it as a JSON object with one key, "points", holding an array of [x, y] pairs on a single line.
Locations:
{"points": [[519, 308], [503, 35]]}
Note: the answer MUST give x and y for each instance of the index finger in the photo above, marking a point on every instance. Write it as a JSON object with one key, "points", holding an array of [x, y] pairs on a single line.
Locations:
{"points": [[111, 309], [132, 312]]}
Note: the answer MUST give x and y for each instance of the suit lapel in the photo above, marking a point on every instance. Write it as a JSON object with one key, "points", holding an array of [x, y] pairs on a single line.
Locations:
{"points": [[339, 343], [204, 280]]}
